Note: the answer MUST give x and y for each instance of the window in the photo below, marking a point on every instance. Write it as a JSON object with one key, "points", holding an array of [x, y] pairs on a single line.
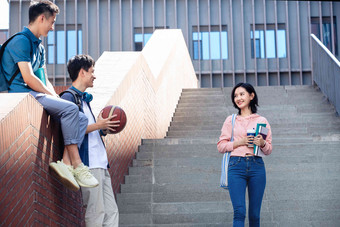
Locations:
{"points": [[266, 42], [142, 36], [139, 40], [326, 31], [210, 45], [3, 35], [60, 50]]}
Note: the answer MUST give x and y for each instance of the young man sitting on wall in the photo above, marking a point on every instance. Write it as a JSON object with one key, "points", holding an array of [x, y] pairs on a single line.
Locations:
{"points": [[26, 52]]}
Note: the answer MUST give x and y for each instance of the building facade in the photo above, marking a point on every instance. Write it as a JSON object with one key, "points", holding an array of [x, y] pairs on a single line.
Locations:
{"points": [[263, 42]]}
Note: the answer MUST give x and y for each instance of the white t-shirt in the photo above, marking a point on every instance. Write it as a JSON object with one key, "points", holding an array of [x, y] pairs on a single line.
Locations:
{"points": [[97, 151]]}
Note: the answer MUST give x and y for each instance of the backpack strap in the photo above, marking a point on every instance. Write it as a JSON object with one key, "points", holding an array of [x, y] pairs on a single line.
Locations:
{"points": [[76, 97], [2, 50]]}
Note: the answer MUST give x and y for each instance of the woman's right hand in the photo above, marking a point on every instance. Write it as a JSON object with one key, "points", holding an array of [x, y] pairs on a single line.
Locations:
{"points": [[244, 141]]}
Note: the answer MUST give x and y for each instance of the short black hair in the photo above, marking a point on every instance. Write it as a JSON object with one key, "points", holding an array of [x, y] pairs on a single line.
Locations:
{"points": [[78, 62], [250, 89], [41, 7]]}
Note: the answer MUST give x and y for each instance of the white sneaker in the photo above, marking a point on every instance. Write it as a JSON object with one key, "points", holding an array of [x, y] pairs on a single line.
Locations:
{"points": [[84, 177], [65, 175]]}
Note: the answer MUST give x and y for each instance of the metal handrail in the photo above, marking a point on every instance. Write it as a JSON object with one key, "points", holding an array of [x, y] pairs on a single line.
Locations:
{"points": [[326, 72]]}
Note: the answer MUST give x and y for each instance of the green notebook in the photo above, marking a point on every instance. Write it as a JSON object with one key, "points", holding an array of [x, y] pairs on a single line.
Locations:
{"points": [[40, 73]]}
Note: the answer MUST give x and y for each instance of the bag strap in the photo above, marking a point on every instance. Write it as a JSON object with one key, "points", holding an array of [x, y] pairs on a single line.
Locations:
{"points": [[233, 119], [76, 96], [3, 50]]}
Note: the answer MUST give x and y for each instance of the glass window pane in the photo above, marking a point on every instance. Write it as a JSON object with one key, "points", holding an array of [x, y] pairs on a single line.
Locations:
{"points": [[50, 38], [315, 29], [60, 47], [147, 36], [210, 45], [257, 44], [205, 46], [215, 49], [327, 34], [195, 36], [50, 56], [252, 44], [224, 47], [281, 43], [80, 42], [138, 46], [261, 33], [71, 44], [138, 38], [197, 50], [270, 44]]}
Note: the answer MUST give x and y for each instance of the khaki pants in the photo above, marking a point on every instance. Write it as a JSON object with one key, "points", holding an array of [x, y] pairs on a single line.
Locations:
{"points": [[101, 205]]}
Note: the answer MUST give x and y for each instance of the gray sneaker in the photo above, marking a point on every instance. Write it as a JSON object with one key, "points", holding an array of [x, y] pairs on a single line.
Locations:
{"points": [[84, 177], [65, 175]]}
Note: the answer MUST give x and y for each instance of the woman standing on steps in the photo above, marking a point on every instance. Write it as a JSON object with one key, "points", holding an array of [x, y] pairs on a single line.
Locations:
{"points": [[245, 169]]}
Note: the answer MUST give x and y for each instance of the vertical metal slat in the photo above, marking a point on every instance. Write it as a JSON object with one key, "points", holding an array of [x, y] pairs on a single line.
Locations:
{"points": [[164, 13], [265, 40], [65, 39], [243, 44], [209, 30], [131, 25], [299, 39], [332, 27], [109, 24], [254, 43], [120, 26], [199, 42], [310, 40], [220, 29], [232, 40], [288, 46], [276, 46]]}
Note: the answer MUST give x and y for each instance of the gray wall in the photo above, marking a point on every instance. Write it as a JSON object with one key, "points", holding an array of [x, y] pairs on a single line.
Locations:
{"points": [[109, 25]]}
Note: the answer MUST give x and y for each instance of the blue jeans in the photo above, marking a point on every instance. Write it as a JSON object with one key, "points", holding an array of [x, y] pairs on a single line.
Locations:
{"points": [[73, 122], [243, 172]]}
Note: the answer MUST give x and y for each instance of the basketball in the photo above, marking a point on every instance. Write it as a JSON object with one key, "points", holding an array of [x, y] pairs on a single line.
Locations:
{"points": [[108, 111]]}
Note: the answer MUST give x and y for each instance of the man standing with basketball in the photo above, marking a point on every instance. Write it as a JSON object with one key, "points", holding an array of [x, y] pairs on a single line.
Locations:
{"points": [[101, 205], [25, 52]]}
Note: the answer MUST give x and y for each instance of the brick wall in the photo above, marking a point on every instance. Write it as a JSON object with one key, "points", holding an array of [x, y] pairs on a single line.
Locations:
{"points": [[29, 141], [146, 84]]}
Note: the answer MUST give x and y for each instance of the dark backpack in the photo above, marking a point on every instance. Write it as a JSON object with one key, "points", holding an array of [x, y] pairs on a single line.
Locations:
{"points": [[76, 97], [4, 84]]}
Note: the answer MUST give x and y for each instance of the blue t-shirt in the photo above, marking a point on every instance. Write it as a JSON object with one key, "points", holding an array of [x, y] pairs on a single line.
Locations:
{"points": [[19, 50]]}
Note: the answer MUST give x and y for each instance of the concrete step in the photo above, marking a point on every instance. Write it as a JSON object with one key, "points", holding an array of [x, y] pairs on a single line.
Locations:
{"points": [[216, 161], [279, 119], [307, 108], [205, 153], [213, 140], [315, 132], [277, 130], [204, 148], [173, 175]]}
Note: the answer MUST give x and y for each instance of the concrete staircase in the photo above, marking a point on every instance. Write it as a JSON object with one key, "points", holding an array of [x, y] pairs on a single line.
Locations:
{"points": [[175, 181]]}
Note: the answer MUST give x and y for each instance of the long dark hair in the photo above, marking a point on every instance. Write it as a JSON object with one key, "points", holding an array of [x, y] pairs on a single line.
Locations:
{"points": [[250, 89]]}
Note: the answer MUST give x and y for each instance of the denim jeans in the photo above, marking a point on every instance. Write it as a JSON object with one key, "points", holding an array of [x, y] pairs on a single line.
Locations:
{"points": [[243, 172], [73, 122]]}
